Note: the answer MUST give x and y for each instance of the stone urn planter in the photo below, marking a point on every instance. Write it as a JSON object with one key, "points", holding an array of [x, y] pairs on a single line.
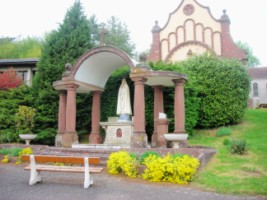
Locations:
{"points": [[175, 138], [27, 137]]}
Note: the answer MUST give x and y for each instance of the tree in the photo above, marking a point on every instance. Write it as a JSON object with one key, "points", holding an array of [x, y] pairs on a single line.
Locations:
{"points": [[9, 79], [119, 36], [30, 47], [252, 59], [62, 46]]}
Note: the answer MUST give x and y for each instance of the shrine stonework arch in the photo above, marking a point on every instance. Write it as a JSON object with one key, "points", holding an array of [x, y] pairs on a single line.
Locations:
{"points": [[95, 66]]}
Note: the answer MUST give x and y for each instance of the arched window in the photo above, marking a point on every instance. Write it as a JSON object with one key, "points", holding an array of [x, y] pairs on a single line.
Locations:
{"points": [[255, 90]]}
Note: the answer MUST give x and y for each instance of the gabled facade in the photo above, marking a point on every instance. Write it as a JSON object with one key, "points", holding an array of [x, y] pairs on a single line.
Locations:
{"points": [[191, 29]]}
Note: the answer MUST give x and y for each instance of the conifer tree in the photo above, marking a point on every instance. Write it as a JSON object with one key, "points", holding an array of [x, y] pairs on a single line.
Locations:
{"points": [[64, 45]]}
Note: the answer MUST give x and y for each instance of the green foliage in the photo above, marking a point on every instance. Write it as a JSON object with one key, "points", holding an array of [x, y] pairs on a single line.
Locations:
{"points": [[223, 87], [252, 60], [236, 146], [226, 142], [146, 154], [30, 47], [10, 101], [170, 169], [178, 155], [119, 36], [62, 46], [24, 119], [122, 162], [224, 131], [192, 101], [11, 151]]}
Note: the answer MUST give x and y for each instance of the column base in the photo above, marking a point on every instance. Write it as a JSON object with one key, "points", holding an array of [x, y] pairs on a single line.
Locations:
{"points": [[67, 139], [95, 138], [154, 140], [139, 140]]}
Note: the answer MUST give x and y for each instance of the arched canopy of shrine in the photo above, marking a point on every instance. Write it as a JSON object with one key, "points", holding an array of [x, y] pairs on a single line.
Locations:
{"points": [[93, 68]]}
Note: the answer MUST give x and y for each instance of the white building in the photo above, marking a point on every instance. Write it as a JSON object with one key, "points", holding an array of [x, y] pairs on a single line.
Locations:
{"points": [[258, 92]]}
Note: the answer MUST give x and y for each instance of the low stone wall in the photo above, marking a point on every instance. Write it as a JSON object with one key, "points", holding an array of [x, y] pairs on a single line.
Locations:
{"points": [[204, 154]]}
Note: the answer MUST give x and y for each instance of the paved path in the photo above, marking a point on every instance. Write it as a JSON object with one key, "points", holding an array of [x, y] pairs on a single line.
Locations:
{"points": [[62, 186]]}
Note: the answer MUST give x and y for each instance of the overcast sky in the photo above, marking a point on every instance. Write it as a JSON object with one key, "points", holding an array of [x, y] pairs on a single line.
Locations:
{"points": [[22, 18]]}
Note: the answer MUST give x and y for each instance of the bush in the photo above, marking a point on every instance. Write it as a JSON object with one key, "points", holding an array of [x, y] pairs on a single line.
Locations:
{"points": [[225, 131], [170, 169], [147, 154], [122, 162], [238, 146], [12, 152], [223, 88]]}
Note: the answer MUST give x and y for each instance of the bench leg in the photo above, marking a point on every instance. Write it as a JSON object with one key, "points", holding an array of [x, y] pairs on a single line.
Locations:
{"points": [[35, 176], [88, 180]]}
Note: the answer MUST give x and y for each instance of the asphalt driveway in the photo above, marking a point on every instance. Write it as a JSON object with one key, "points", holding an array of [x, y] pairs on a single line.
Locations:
{"points": [[64, 186]]}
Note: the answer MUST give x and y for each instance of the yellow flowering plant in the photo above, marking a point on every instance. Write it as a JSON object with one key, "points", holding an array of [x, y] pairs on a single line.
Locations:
{"points": [[122, 162], [25, 151], [170, 169]]}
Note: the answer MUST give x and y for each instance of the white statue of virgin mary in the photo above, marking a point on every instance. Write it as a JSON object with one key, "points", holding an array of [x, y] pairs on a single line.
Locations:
{"points": [[124, 104]]}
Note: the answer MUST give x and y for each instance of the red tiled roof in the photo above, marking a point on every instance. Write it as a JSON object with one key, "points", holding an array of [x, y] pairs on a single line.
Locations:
{"points": [[257, 72]]}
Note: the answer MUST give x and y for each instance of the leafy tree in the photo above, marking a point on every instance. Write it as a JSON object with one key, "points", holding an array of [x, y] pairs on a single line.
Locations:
{"points": [[95, 28], [9, 79], [30, 47], [252, 59], [119, 36], [223, 86], [62, 46]]}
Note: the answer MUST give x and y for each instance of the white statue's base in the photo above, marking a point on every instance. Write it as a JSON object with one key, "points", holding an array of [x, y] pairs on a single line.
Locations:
{"points": [[118, 132]]}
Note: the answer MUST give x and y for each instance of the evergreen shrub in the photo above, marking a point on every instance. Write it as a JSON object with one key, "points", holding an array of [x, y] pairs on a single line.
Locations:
{"points": [[223, 89]]}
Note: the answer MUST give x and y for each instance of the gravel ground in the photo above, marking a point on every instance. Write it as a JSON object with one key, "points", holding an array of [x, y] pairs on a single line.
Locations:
{"points": [[69, 186]]}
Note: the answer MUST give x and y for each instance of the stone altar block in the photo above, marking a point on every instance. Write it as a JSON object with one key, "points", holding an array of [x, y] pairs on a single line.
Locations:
{"points": [[117, 133]]}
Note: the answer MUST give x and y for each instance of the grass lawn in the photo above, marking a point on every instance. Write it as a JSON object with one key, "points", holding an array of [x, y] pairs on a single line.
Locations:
{"points": [[231, 173]]}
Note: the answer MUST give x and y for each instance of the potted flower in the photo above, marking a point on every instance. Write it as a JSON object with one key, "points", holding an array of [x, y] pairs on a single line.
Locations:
{"points": [[25, 122]]}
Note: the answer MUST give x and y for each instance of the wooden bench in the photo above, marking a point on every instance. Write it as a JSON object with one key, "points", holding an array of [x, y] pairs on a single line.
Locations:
{"points": [[36, 169]]}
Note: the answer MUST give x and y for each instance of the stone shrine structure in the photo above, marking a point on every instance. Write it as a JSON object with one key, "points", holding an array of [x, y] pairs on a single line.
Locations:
{"points": [[191, 29], [90, 74]]}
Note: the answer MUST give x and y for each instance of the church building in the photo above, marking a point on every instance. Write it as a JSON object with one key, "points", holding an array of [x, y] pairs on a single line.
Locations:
{"points": [[191, 29]]}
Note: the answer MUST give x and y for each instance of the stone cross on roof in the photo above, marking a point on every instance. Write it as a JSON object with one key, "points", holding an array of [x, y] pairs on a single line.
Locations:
{"points": [[103, 34]]}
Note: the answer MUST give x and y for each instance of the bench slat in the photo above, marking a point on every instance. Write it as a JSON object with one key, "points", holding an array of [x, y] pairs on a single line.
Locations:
{"points": [[72, 169], [61, 159]]}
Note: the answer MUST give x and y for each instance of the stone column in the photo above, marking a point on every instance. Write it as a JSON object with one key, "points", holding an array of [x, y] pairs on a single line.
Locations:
{"points": [[95, 137], [70, 135], [61, 117], [179, 107], [158, 108], [139, 137]]}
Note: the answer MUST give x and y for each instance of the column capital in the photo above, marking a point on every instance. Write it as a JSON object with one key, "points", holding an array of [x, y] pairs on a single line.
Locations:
{"points": [[72, 86], [179, 81], [138, 80]]}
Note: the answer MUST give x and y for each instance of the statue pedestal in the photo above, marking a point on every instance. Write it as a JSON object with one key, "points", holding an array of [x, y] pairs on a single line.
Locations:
{"points": [[118, 133]]}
